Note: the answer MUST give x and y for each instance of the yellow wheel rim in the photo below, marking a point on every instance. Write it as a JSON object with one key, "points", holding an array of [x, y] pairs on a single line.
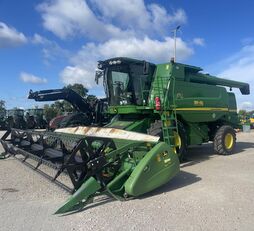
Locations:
{"points": [[229, 141], [178, 141]]}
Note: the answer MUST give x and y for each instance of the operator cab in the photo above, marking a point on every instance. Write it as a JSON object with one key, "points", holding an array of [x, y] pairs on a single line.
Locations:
{"points": [[126, 81]]}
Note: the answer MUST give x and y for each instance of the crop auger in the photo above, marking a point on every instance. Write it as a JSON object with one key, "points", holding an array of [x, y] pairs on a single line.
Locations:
{"points": [[158, 111]]}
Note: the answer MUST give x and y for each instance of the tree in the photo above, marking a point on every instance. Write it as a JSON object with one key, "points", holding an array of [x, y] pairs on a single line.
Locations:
{"points": [[61, 107], [2, 107], [242, 112], [91, 99], [80, 89], [50, 111]]}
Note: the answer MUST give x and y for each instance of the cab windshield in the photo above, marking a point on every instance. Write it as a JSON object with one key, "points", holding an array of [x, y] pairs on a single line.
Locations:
{"points": [[119, 87], [127, 83]]}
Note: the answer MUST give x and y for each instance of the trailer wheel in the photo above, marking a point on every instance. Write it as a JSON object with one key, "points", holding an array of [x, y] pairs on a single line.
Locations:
{"points": [[180, 137], [224, 140]]}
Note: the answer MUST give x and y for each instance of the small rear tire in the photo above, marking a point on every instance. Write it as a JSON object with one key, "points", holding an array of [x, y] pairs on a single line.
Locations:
{"points": [[224, 140]]}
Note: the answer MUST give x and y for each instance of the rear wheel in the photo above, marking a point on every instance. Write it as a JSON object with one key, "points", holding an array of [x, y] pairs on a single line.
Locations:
{"points": [[224, 140]]}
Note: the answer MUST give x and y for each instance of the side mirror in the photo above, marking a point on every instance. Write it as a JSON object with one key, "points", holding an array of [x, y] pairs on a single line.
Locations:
{"points": [[146, 68], [98, 75]]}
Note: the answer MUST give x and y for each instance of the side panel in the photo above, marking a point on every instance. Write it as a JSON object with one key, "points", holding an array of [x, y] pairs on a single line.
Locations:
{"points": [[158, 166], [200, 102]]}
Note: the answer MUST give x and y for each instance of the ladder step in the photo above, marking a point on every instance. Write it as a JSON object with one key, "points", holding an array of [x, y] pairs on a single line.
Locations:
{"points": [[171, 128]]}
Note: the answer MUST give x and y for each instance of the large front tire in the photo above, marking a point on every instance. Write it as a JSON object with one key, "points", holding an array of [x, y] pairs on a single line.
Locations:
{"points": [[181, 142], [224, 140], [180, 137]]}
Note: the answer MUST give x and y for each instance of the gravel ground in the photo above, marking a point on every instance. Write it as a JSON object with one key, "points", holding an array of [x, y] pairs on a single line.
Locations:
{"points": [[211, 192]]}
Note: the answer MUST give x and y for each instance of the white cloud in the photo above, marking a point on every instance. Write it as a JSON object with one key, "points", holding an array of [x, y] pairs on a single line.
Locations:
{"points": [[84, 63], [138, 16], [67, 18], [149, 49], [116, 28], [199, 42], [126, 13], [113, 19], [240, 67], [77, 74], [30, 78], [246, 105], [39, 40], [10, 37], [51, 51]]}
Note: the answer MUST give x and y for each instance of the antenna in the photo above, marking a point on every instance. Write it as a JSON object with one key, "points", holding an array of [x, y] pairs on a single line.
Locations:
{"points": [[175, 31]]}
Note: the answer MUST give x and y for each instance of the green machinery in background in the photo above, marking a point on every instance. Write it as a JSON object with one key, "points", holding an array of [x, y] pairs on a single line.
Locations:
{"points": [[3, 120], [158, 111], [15, 118], [35, 118], [23, 119]]}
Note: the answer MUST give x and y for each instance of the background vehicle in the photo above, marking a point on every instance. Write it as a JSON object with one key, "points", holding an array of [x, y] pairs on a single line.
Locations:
{"points": [[35, 118], [15, 119], [3, 120], [86, 113], [251, 120]]}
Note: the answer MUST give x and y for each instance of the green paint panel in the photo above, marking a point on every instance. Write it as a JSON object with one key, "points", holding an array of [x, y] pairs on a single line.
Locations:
{"points": [[87, 189], [157, 167]]}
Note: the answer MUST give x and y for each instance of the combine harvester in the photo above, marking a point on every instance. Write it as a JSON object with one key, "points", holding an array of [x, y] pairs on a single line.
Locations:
{"points": [[159, 110]]}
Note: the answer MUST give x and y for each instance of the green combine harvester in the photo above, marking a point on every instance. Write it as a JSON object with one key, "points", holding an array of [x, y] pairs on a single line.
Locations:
{"points": [[158, 111]]}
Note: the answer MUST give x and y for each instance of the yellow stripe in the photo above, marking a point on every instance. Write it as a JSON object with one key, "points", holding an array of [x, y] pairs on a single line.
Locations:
{"points": [[203, 109]]}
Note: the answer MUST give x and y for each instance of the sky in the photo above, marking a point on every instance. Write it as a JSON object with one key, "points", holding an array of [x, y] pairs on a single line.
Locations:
{"points": [[46, 44]]}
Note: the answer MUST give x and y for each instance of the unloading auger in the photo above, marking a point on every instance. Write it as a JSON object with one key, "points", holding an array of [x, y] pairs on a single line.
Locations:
{"points": [[97, 160]]}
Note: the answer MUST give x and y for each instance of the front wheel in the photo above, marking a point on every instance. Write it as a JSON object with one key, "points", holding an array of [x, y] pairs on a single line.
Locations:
{"points": [[180, 141], [180, 138], [224, 140]]}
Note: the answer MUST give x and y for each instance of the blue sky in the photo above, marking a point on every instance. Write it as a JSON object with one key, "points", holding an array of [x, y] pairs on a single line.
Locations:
{"points": [[51, 43]]}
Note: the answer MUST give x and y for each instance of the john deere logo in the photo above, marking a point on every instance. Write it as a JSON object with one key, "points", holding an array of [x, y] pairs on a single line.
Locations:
{"points": [[179, 95], [198, 103]]}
